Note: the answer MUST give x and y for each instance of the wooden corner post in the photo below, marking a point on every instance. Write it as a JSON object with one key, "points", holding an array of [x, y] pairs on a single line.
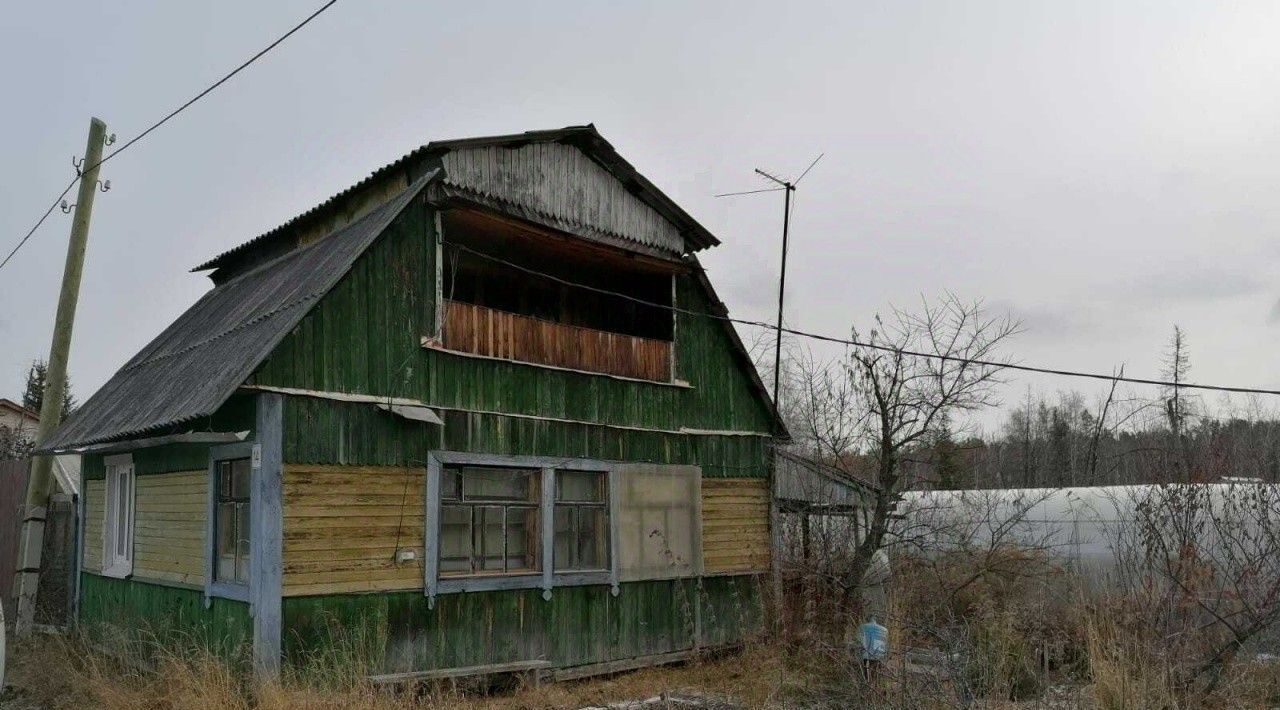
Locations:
{"points": [[265, 547]]}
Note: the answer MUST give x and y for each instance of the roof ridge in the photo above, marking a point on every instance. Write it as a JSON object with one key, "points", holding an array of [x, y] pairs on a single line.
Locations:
{"points": [[595, 146]]}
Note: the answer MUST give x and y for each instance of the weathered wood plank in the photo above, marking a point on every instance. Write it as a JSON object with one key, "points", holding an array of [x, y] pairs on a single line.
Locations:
{"points": [[343, 525], [735, 525], [510, 336], [169, 526]]}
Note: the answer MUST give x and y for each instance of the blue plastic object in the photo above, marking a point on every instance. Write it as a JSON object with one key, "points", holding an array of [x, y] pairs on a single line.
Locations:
{"points": [[875, 641]]}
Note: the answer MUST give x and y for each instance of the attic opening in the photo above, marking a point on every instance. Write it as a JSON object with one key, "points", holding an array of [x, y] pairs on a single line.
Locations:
{"points": [[517, 292]]}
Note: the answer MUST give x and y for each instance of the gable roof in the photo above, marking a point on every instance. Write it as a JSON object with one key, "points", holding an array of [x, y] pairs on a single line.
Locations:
{"points": [[585, 138], [193, 367]]}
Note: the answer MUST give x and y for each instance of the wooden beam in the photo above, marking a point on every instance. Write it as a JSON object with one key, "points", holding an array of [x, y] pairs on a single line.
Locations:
{"points": [[462, 672], [265, 546]]}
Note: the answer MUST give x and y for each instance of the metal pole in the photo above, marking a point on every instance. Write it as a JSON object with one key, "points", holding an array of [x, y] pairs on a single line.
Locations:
{"points": [[782, 286], [38, 483]]}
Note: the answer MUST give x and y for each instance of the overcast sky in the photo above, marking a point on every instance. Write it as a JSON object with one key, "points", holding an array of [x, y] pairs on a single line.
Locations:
{"points": [[1100, 170]]}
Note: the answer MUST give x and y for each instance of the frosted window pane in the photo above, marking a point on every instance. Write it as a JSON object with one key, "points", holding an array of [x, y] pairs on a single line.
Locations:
{"points": [[657, 521]]}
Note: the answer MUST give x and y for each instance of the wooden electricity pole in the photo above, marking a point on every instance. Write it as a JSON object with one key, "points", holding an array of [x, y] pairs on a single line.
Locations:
{"points": [[38, 483]]}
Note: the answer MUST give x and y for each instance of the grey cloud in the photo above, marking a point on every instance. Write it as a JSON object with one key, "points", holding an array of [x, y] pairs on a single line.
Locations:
{"points": [[1199, 283]]}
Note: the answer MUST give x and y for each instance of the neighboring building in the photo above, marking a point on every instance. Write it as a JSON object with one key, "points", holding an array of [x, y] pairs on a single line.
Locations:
{"points": [[824, 513], [820, 506], [22, 423], [422, 411]]}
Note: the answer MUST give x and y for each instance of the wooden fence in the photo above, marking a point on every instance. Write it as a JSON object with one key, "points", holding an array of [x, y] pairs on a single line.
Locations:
{"points": [[13, 489], [493, 333], [57, 577]]}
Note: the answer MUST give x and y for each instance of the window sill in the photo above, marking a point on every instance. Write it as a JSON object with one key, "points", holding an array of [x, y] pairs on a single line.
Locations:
{"points": [[117, 572], [227, 590], [447, 585], [453, 585]]}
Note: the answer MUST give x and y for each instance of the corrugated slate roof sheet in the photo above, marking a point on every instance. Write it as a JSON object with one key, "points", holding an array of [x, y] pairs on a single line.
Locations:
{"points": [[587, 138], [191, 369]]}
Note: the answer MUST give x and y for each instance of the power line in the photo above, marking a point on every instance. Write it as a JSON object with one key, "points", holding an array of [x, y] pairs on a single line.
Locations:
{"points": [[165, 120], [873, 346]]}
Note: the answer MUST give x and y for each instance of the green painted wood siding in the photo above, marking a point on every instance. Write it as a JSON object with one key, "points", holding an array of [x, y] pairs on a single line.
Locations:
{"points": [[579, 625], [172, 616], [364, 337], [318, 431]]}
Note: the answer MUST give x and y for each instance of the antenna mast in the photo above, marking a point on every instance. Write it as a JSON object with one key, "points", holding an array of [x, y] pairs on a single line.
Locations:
{"points": [[787, 187]]}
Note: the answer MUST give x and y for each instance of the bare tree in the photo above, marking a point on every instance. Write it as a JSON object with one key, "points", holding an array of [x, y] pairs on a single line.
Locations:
{"points": [[914, 371], [1206, 558]]}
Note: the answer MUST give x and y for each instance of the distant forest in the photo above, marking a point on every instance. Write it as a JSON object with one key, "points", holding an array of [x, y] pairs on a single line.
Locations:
{"points": [[1061, 443], [1148, 435]]}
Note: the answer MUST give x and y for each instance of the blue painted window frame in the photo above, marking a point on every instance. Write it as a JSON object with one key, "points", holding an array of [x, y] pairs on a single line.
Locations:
{"points": [[214, 587], [547, 579]]}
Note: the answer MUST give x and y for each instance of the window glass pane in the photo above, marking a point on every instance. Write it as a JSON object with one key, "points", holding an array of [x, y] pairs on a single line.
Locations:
{"points": [[580, 486], [490, 557], [522, 539], [224, 479], [122, 512], [450, 484], [497, 484], [455, 539], [224, 548], [564, 547], [240, 478], [593, 527], [242, 542], [226, 568], [225, 556]]}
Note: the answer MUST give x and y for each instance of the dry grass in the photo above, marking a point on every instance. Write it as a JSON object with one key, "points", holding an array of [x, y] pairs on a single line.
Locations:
{"points": [[58, 673], [1107, 656]]}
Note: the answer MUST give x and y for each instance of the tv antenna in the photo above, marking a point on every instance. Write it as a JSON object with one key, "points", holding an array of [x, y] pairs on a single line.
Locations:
{"points": [[787, 187]]}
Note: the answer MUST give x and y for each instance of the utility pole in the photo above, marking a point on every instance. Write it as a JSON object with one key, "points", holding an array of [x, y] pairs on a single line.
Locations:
{"points": [[38, 484]]}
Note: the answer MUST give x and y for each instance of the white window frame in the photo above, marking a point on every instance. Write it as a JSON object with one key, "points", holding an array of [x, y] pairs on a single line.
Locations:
{"points": [[547, 578], [120, 475]]}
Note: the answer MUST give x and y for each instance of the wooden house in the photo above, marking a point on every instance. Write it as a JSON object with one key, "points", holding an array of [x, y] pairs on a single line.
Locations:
{"points": [[477, 407]]}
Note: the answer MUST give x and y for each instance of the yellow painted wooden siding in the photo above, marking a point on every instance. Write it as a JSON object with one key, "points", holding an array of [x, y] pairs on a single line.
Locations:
{"points": [[170, 511], [735, 525], [95, 495], [342, 526]]}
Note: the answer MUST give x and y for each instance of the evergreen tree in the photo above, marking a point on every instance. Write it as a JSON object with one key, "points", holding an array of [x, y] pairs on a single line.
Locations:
{"points": [[952, 469], [33, 395]]}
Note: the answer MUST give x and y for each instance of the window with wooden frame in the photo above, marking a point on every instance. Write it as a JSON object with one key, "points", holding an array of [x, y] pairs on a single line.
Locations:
{"points": [[489, 521], [231, 521], [516, 522], [581, 521], [117, 528]]}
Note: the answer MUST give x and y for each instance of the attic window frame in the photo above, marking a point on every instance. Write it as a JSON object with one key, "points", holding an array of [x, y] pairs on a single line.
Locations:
{"points": [[524, 230]]}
